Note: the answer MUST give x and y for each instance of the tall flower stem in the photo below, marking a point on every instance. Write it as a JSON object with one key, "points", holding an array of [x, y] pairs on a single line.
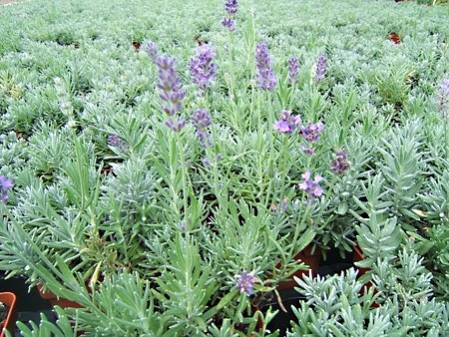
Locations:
{"points": [[178, 174]]}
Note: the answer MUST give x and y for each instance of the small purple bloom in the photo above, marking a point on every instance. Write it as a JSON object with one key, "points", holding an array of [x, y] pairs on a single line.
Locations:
{"points": [[308, 150], [311, 187], [231, 6], [340, 165], [201, 118], [208, 163], [293, 69], [321, 68], [176, 124], [170, 85], [203, 137], [202, 69], [443, 96], [265, 74], [5, 185], [245, 283], [312, 131], [287, 123], [152, 50], [229, 24], [115, 141]]}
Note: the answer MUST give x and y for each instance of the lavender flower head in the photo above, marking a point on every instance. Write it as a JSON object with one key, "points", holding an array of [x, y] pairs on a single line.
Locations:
{"points": [[265, 75], [245, 283], [287, 123], [312, 131], [321, 68], [176, 124], [201, 119], [202, 69], [443, 96], [340, 164], [311, 187], [5, 185], [170, 86], [229, 24], [231, 6], [152, 50], [293, 69], [204, 137], [115, 141]]}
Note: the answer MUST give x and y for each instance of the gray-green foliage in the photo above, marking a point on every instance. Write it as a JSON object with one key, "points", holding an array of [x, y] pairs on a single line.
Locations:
{"points": [[62, 328], [161, 212], [341, 305]]}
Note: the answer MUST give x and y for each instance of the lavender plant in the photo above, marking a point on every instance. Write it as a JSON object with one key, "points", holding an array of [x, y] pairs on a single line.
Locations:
{"points": [[340, 304], [161, 233]]}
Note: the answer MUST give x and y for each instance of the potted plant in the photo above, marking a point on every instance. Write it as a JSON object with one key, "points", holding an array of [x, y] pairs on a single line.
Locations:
{"points": [[7, 310], [310, 256], [54, 300]]}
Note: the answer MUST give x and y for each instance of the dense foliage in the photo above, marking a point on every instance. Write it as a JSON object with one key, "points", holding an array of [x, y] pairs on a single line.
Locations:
{"points": [[162, 162]]}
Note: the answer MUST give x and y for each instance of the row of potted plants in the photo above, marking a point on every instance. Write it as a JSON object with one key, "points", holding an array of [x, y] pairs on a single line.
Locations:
{"points": [[201, 184]]}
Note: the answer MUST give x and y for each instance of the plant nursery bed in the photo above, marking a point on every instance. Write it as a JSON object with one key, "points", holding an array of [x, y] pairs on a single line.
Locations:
{"points": [[7, 2], [225, 168]]}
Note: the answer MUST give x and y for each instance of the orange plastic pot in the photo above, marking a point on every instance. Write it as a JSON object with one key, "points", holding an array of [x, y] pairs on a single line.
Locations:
{"points": [[308, 256], [9, 299], [54, 300]]}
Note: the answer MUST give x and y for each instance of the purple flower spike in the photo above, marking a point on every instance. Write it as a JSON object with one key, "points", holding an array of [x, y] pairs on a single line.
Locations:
{"points": [[443, 96], [311, 187], [5, 185], [312, 131], [202, 69], [201, 118], [321, 68], [229, 24], [340, 165], [152, 50], [287, 123], [176, 125], [245, 283], [265, 75], [203, 137], [170, 85], [231, 6], [293, 69]]}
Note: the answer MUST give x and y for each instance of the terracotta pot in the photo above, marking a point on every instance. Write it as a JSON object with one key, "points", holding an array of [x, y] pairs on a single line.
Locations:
{"points": [[54, 300], [394, 38], [309, 257], [9, 299], [136, 45]]}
